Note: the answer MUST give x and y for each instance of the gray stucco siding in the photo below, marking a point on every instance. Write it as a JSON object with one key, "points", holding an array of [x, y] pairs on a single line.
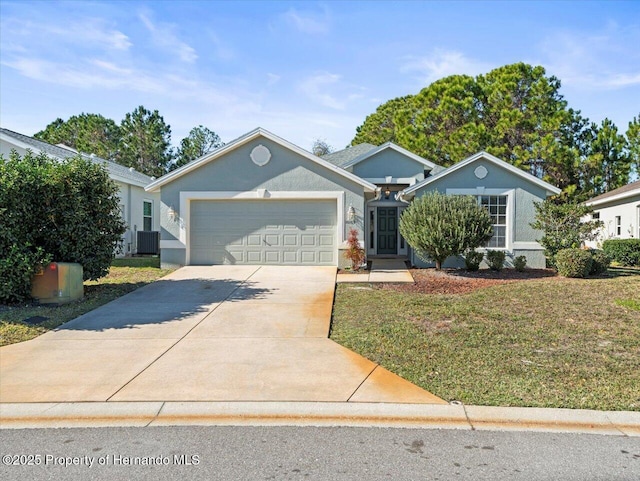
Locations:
{"points": [[525, 194], [389, 162], [286, 171]]}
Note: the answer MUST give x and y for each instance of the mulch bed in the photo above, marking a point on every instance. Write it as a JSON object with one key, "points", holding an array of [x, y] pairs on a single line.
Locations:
{"points": [[458, 281]]}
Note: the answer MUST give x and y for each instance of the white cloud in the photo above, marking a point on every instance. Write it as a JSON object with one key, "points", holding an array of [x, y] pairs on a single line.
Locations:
{"points": [[307, 22], [272, 78], [442, 63], [164, 36], [603, 60], [316, 86]]}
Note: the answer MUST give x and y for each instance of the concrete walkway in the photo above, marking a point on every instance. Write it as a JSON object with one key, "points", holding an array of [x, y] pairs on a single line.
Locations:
{"points": [[382, 270], [221, 333]]}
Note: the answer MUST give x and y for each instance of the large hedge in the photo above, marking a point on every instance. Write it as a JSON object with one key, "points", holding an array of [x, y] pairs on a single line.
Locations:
{"points": [[437, 226], [65, 211], [623, 251]]}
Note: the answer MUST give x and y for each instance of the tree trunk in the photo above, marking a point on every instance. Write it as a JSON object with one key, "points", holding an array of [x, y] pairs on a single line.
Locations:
{"points": [[438, 264]]}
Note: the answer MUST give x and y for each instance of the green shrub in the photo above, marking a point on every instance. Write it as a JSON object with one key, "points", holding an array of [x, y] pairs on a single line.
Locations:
{"points": [[17, 267], [472, 260], [437, 226], [574, 262], [495, 259], [520, 263], [623, 251], [600, 262], [65, 211]]}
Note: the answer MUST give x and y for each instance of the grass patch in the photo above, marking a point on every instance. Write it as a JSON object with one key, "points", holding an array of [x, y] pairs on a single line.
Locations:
{"points": [[571, 343], [120, 281], [137, 262]]}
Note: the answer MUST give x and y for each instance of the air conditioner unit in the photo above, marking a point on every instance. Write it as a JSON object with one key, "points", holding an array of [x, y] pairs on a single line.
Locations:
{"points": [[58, 283], [148, 242]]}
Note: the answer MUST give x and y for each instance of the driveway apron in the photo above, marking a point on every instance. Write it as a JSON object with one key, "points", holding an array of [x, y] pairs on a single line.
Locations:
{"points": [[214, 333]]}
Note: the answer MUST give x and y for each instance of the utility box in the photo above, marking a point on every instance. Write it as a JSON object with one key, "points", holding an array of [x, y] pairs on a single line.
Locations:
{"points": [[58, 283]]}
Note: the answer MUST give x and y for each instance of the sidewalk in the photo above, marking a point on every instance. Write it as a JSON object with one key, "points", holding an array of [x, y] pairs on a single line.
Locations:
{"points": [[382, 270], [428, 416]]}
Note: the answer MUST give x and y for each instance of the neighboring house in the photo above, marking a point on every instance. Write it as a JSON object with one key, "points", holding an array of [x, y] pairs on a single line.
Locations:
{"points": [[140, 209], [619, 210], [263, 200]]}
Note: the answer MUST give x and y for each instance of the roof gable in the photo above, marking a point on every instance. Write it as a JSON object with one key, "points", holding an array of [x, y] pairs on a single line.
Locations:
{"points": [[390, 145], [240, 141], [551, 189]]}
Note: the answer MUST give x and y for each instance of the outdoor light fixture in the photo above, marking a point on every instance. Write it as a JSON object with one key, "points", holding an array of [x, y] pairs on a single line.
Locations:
{"points": [[387, 192], [351, 214]]}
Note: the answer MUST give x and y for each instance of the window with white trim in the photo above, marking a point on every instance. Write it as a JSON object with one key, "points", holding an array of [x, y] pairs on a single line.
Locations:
{"points": [[496, 205], [618, 225], [147, 215]]}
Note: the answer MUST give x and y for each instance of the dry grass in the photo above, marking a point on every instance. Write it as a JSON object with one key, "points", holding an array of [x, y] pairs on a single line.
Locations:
{"points": [[551, 342], [120, 281]]}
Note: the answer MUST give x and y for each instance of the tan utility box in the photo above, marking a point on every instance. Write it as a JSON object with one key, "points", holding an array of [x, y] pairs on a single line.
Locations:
{"points": [[58, 283]]}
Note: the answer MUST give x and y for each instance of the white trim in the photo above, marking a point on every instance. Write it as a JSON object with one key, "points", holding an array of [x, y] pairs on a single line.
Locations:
{"points": [[614, 198], [150, 201], [525, 246], [254, 134], [261, 194], [511, 217], [373, 207], [391, 180], [392, 146], [172, 244], [490, 158]]}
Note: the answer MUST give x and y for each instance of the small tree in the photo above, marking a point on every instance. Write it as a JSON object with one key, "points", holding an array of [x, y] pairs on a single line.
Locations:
{"points": [[563, 226], [64, 211], [320, 147], [354, 252], [437, 226]]}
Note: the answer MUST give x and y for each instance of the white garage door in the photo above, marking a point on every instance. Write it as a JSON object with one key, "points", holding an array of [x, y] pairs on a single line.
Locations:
{"points": [[291, 232]]}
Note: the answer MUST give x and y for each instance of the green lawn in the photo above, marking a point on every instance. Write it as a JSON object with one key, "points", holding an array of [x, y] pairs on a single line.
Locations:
{"points": [[124, 276], [554, 342]]}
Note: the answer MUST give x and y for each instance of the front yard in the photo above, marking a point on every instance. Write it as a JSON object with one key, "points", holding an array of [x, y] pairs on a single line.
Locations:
{"points": [[545, 342], [124, 276]]}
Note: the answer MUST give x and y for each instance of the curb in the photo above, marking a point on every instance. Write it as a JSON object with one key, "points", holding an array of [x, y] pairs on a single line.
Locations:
{"points": [[427, 416]]}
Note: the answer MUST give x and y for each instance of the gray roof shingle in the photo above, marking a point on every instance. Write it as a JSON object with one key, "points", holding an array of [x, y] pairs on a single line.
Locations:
{"points": [[619, 190], [342, 157], [64, 153]]}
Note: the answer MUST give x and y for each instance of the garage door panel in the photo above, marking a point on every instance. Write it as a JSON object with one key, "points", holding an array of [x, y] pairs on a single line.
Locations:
{"points": [[263, 232]]}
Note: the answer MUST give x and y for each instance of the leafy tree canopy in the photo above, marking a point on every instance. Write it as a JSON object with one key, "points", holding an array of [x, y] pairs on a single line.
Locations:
{"points": [[515, 112], [145, 143], [88, 133], [199, 142]]}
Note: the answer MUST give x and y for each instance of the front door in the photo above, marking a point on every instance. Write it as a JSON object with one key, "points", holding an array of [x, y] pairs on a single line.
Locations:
{"points": [[387, 230]]}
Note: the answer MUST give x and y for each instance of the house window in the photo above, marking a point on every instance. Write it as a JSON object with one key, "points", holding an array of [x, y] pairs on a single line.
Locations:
{"points": [[147, 215], [497, 207], [618, 225], [595, 216]]}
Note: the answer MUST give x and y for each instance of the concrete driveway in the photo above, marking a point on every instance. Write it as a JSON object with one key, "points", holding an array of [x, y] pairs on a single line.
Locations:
{"points": [[216, 333]]}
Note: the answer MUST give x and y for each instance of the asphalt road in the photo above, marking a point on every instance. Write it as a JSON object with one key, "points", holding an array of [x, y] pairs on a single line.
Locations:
{"points": [[307, 453]]}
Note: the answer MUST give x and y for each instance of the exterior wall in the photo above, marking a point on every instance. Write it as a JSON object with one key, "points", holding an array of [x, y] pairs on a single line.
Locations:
{"points": [[629, 211], [521, 237], [131, 204], [388, 162], [235, 172], [6, 148]]}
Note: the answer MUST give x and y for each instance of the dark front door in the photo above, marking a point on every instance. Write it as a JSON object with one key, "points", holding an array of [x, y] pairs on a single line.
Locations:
{"points": [[387, 230]]}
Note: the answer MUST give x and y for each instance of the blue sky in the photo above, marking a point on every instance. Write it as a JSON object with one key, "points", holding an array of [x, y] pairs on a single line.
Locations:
{"points": [[303, 70]]}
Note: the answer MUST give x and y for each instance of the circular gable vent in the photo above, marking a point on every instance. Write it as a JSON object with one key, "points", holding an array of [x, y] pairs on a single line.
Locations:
{"points": [[481, 172], [260, 155]]}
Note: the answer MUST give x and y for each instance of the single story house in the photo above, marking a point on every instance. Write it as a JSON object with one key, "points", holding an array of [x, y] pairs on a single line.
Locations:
{"points": [[619, 210], [140, 209], [263, 200]]}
